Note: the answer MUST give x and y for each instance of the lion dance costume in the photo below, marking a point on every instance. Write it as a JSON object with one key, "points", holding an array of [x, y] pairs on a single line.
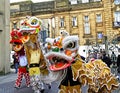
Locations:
{"points": [[63, 55], [19, 49], [29, 30]]}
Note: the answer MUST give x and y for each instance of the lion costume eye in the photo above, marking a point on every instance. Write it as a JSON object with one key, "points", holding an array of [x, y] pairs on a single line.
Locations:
{"points": [[71, 45], [33, 21]]}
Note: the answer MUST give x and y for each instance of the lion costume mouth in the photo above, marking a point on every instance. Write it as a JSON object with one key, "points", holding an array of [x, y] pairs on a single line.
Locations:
{"points": [[58, 61], [28, 30]]}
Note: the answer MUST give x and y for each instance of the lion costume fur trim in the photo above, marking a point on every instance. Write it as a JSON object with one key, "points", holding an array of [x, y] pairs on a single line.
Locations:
{"points": [[95, 74]]}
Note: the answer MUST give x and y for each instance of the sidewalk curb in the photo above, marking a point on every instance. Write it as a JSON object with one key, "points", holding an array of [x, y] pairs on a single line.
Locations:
{"points": [[8, 77]]}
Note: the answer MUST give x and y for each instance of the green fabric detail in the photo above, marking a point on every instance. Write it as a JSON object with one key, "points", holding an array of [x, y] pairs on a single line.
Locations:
{"points": [[37, 30], [55, 49]]}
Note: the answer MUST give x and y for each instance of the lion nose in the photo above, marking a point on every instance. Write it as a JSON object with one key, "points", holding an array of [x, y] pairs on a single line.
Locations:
{"points": [[68, 52]]}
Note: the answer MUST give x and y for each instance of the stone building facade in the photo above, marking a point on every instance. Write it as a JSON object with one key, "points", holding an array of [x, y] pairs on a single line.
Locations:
{"points": [[92, 20], [4, 36]]}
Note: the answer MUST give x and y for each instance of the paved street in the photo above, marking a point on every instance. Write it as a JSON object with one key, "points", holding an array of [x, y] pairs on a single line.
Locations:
{"points": [[7, 86]]}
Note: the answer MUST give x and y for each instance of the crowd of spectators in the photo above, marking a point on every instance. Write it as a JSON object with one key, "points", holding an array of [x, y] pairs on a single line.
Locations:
{"points": [[112, 60]]}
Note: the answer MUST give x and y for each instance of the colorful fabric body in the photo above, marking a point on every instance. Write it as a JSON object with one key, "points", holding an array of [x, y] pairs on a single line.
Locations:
{"points": [[22, 71], [68, 85], [30, 28], [34, 71]]}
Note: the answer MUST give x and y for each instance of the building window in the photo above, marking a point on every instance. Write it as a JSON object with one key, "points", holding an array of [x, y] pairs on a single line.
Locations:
{"points": [[74, 21], [98, 18], [85, 1], [86, 18], [116, 2], [117, 18], [62, 22], [86, 25], [86, 28]]}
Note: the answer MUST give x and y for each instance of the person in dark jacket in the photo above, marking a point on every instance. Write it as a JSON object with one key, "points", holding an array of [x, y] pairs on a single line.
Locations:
{"points": [[118, 64], [113, 58], [118, 60], [106, 59], [16, 62]]}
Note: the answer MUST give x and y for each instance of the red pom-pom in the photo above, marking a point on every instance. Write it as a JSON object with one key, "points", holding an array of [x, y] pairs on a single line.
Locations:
{"points": [[15, 36]]}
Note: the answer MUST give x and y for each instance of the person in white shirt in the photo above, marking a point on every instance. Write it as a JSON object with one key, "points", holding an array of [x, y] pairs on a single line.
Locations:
{"points": [[22, 70]]}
